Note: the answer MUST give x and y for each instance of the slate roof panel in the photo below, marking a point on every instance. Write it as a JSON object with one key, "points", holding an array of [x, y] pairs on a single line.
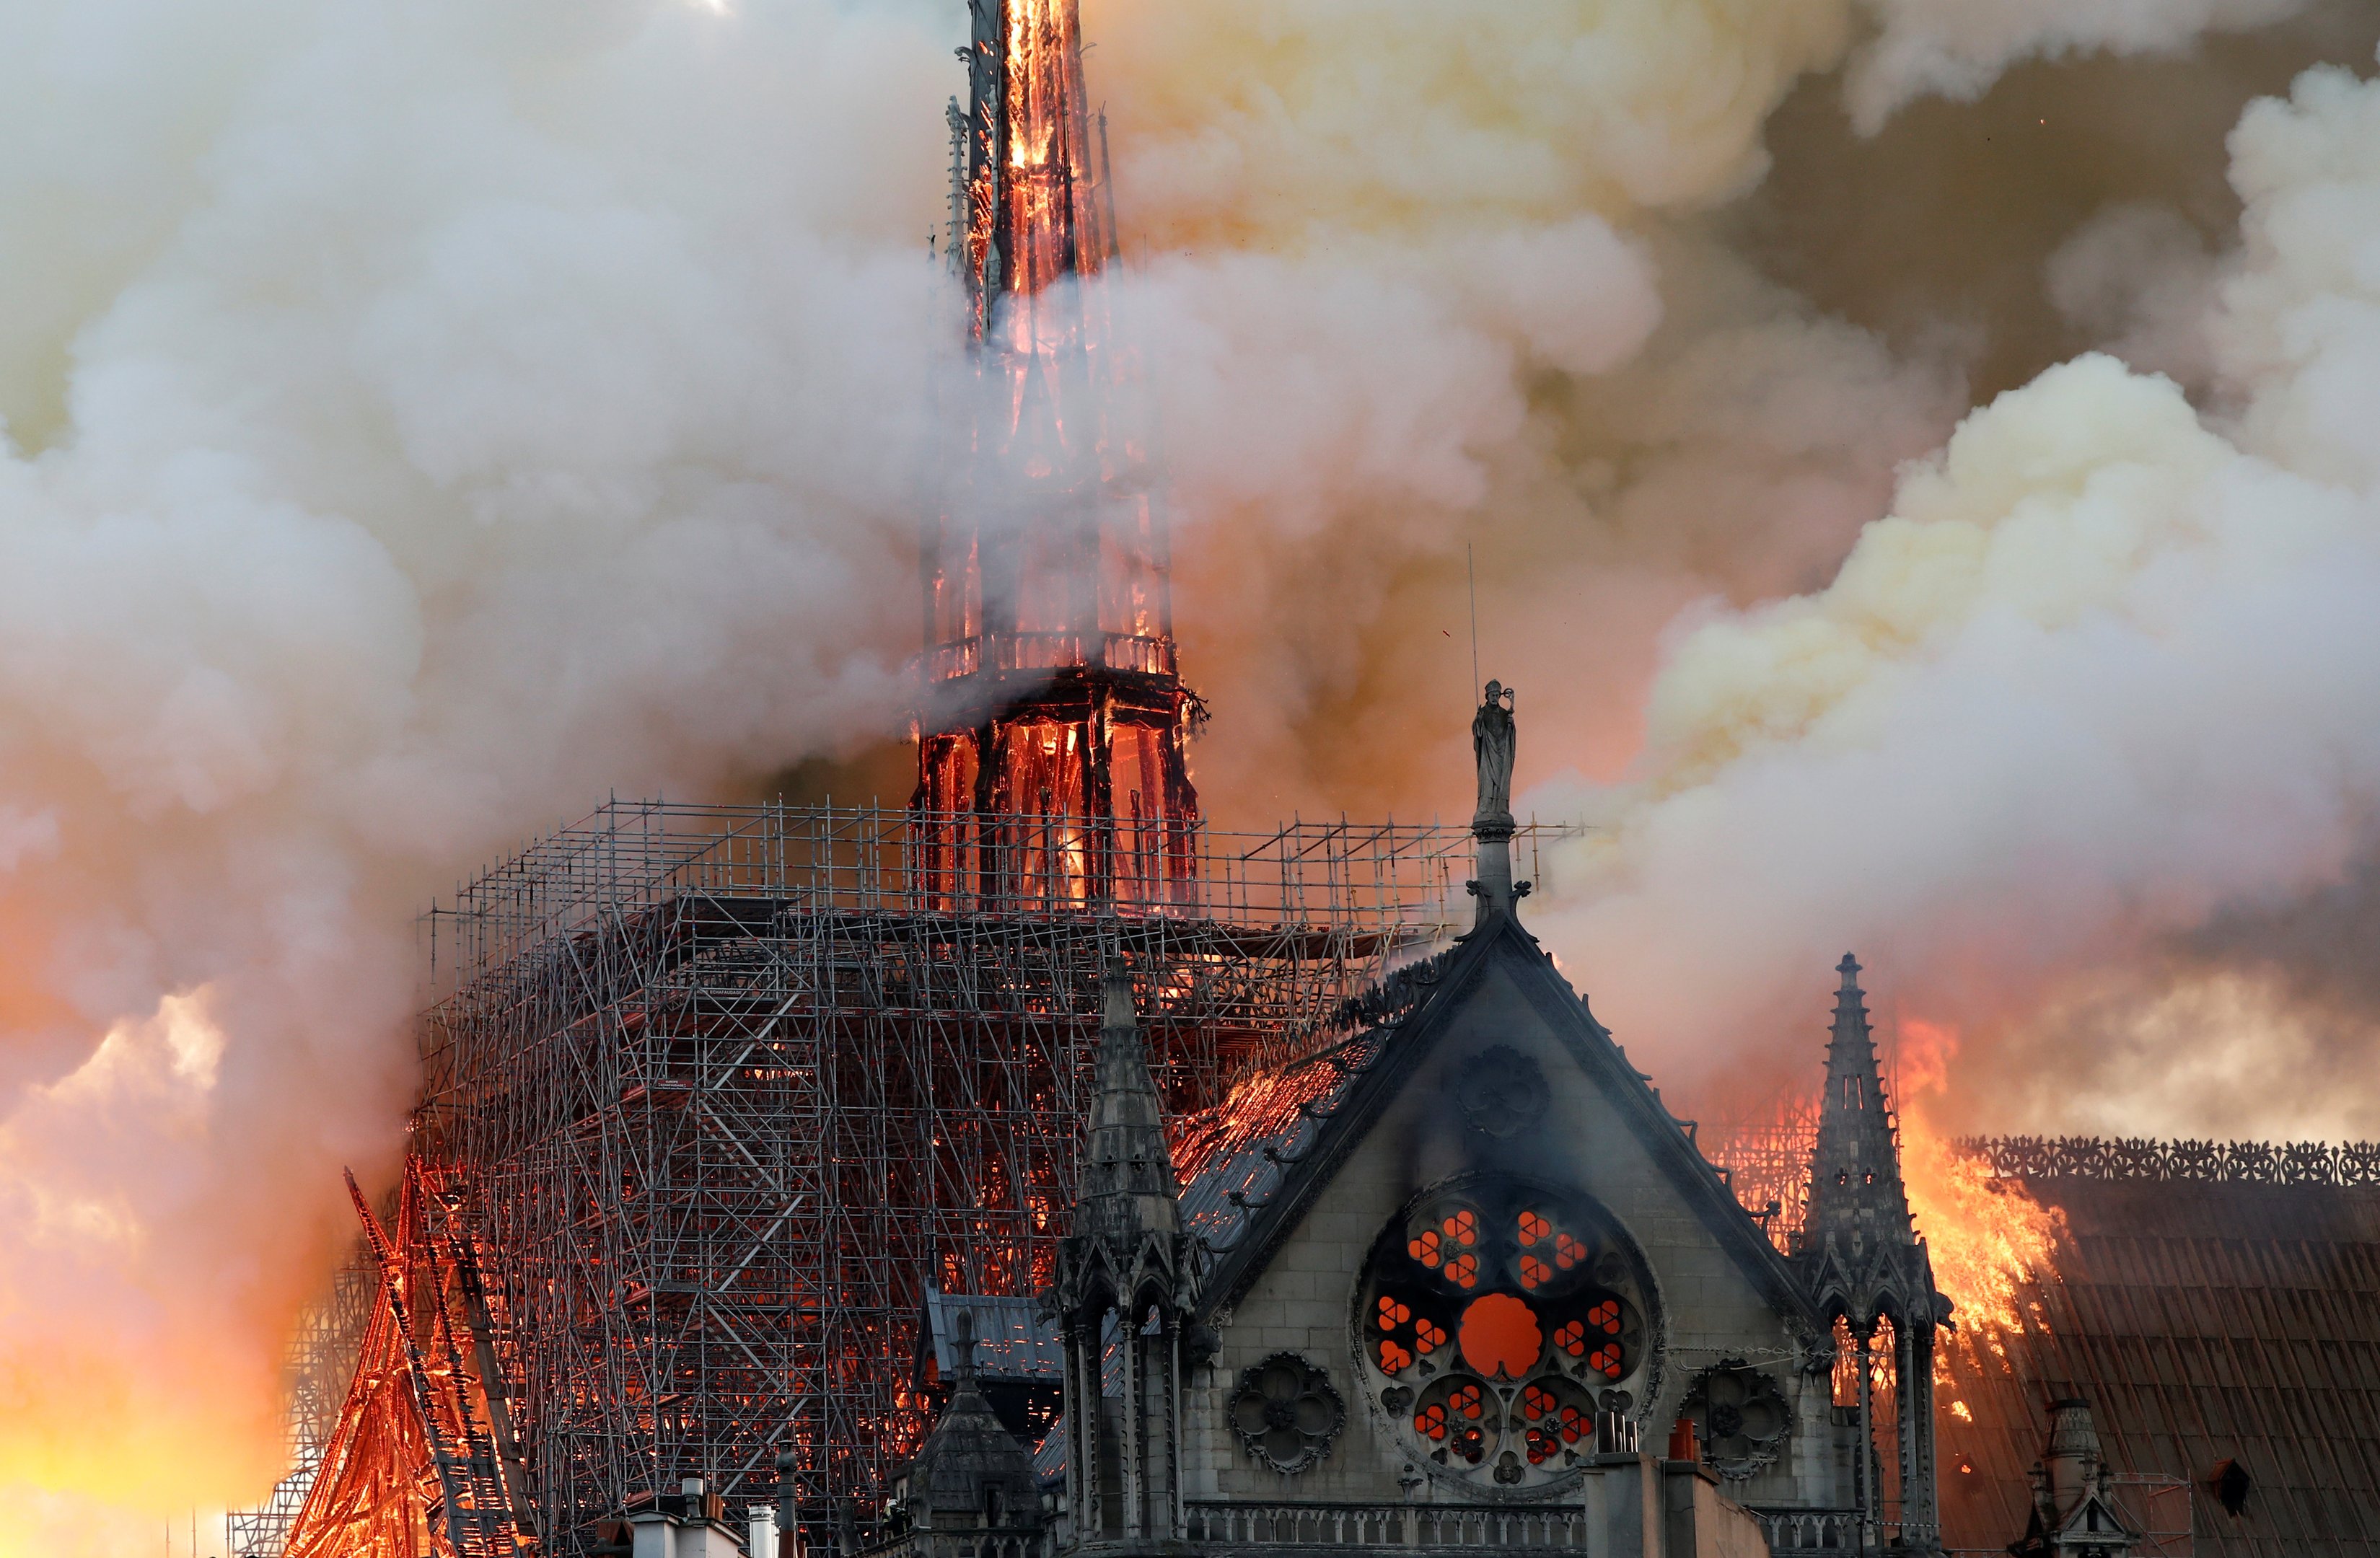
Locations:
{"points": [[1245, 1145], [1011, 1341], [2204, 1321]]}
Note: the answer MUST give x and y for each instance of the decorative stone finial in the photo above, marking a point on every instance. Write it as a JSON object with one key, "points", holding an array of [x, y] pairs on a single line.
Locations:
{"points": [[963, 1339], [1127, 1190], [1116, 1011]]}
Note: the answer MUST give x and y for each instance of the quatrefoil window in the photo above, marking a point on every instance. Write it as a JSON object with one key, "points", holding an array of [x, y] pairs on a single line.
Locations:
{"points": [[1286, 1412], [1741, 1416]]}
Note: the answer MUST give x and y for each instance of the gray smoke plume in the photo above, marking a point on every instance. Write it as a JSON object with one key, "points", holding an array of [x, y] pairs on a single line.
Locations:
{"points": [[424, 419]]}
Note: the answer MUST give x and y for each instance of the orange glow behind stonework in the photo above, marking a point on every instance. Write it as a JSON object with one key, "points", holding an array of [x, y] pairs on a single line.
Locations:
{"points": [[1989, 1237]]}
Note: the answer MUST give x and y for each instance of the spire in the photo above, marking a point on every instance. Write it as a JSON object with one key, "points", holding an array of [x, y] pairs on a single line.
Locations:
{"points": [[1049, 688], [1861, 1261], [1033, 176], [1128, 1191], [1856, 1196], [1125, 1268]]}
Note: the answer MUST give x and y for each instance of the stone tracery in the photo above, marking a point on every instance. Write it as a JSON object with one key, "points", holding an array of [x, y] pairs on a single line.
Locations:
{"points": [[1499, 1318]]}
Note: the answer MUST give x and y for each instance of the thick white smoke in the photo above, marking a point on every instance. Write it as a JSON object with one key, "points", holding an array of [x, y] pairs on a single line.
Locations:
{"points": [[423, 420], [2107, 675]]}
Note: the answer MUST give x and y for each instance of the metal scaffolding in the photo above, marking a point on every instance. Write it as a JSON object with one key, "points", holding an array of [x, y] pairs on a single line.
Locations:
{"points": [[314, 1377], [723, 1090]]}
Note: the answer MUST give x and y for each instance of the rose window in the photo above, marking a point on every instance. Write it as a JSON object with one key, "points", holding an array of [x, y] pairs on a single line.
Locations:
{"points": [[1498, 1319], [1286, 1412]]}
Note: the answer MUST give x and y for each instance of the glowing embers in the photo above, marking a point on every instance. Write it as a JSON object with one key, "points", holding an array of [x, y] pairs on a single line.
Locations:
{"points": [[1050, 227], [1046, 811], [1499, 1321]]}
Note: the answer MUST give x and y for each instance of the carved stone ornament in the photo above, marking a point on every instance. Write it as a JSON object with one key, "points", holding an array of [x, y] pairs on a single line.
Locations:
{"points": [[1286, 1412], [1502, 1092], [1742, 1416]]}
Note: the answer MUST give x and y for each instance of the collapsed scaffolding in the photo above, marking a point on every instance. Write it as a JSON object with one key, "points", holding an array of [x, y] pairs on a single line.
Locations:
{"points": [[421, 1460], [722, 1092]]}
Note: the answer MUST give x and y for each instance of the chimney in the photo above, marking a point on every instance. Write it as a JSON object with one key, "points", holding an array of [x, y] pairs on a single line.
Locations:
{"points": [[789, 1539]]}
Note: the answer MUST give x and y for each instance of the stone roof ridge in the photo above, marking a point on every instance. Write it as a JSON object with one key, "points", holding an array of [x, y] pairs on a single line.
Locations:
{"points": [[1235, 1176], [2185, 1160], [1388, 1000]]}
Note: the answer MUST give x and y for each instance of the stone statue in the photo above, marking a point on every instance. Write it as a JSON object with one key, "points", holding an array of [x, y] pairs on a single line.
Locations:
{"points": [[1491, 745]]}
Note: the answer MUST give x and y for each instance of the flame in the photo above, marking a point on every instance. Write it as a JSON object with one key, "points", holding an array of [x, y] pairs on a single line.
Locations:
{"points": [[1988, 1236]]}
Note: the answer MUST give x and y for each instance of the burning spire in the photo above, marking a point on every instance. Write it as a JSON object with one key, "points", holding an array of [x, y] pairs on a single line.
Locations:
{"points": [[1053, 720], [422, 1463]]}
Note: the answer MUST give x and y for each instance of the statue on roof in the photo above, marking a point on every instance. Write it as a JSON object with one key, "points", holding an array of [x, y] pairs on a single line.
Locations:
{"points": [[1492, 745]]}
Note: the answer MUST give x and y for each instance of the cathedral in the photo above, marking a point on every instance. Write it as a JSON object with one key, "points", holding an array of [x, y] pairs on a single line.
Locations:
{"points": [[1472, 1286]]}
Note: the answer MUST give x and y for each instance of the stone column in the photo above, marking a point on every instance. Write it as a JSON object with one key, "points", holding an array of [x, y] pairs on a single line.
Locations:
{"points": [[1920, 1517], [1865, 1473]]}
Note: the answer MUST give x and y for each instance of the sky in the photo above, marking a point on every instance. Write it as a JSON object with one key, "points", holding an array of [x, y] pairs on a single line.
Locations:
{"points": [[1913, 452]]}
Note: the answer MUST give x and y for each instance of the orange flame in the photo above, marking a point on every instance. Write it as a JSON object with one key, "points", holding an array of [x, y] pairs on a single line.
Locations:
{"points": [[1988, 1236]]}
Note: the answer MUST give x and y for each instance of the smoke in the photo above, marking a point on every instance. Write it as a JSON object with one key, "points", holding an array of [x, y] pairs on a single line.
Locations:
{"points": [[2024, 720], [422, 420], [1959, 51], [2096, 698]]}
